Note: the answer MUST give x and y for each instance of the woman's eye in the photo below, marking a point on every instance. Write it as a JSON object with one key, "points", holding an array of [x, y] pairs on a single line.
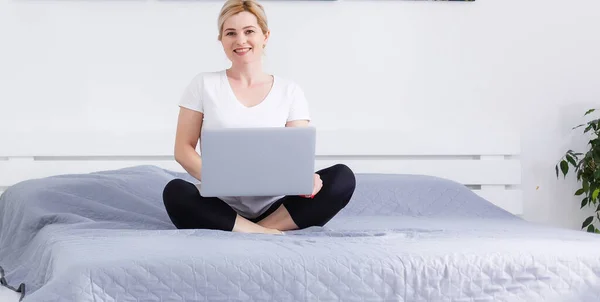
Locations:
{"points": [[230, 33], [249, 31]]}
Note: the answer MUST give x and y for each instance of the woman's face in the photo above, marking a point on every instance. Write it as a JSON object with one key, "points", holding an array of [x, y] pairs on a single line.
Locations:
{"points": [[242, 38]]}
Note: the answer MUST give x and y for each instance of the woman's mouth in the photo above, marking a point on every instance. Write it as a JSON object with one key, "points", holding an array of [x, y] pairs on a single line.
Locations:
{"points": [[242, 51]]}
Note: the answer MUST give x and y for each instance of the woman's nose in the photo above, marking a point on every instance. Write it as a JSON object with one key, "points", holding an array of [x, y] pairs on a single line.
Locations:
{"points": [[241, 39]]}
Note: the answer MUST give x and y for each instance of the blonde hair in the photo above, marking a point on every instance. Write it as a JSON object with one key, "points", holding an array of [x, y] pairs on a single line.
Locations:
{"points": [[233, 7]]}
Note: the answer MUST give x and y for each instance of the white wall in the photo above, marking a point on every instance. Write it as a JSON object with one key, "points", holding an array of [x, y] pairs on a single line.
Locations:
{"points": [[411, 65]]}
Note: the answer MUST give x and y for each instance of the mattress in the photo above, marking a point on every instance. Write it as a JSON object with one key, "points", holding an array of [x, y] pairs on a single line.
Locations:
{"points": [[105, 236]]}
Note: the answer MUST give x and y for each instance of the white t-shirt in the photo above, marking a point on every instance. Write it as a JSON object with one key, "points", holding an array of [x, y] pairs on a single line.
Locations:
{"points": [[211, 94]]}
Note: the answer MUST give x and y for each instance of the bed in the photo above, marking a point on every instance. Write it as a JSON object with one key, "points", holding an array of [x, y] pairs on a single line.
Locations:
{"points": [[92, 228]]}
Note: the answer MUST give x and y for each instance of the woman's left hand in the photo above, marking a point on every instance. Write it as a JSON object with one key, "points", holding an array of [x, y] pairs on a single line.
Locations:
{"points": [[318, 184]]}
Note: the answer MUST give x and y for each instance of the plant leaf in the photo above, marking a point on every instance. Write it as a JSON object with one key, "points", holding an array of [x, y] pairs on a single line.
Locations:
{"points": [[595, 194], [564, 167], [584, 202], [579, 192], [590, 192], [571, 160], [589, 111], [591, 228], [556, 168], [587, 222]]}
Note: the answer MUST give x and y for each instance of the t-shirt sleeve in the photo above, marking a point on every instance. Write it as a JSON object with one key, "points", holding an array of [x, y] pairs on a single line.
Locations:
{"points": [[192, 95], [299, 107]]}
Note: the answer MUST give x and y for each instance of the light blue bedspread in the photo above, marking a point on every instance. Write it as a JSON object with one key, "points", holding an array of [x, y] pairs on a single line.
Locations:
{"points": [[106, 237]]}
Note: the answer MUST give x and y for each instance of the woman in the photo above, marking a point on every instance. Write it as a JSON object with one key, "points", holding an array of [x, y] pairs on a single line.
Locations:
{"points": [[245, 96]]}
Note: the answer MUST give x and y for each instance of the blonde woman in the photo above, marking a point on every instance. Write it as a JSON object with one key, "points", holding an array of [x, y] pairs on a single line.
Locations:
{"points": [[245, 96]]}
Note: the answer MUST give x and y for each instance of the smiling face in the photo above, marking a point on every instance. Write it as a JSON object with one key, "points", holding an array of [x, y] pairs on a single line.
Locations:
{"points": [[243, 39]]}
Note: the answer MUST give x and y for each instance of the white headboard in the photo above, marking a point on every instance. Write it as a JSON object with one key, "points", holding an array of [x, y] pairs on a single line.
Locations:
{"points": [[487, 162]]}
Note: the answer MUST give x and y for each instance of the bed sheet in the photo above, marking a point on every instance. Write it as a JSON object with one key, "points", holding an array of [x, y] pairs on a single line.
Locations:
{"points": [[105, 237]]}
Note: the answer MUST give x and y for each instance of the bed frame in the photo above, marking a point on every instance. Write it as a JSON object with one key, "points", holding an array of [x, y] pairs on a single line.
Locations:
{"points": [[486, 162]]}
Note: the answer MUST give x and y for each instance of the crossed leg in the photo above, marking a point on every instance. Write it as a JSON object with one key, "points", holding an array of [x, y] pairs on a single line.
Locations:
{"points": [[187, 209]]}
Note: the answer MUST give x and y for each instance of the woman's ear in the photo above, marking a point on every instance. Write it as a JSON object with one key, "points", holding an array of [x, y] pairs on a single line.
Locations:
{"points": [[267, 35]]}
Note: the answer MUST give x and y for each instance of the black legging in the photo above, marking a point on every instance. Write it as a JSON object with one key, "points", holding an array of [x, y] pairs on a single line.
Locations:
{"points": [[189, 210]]}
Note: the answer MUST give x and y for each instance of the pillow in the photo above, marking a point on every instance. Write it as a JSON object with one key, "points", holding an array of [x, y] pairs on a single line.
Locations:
{"points": [[417, 196]]}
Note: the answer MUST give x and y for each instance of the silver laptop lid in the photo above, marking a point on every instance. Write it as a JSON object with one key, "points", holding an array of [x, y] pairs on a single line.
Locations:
{"points": [[257, 161]]}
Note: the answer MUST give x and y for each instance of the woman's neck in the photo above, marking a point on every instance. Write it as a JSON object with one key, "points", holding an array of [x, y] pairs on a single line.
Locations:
{"points": [[248, 74]]}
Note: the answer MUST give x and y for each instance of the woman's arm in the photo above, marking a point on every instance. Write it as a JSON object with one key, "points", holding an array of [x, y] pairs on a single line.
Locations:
{"points": [[189, 126]]}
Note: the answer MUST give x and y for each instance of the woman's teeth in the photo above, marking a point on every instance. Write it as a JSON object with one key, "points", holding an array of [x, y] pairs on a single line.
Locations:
{"points": [[242, 50]]}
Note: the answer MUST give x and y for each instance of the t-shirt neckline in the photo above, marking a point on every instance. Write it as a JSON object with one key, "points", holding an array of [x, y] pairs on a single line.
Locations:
{"points": [[237, 101]]}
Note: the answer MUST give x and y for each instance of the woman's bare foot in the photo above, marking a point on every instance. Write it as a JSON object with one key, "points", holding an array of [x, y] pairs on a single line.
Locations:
{"points": [[280, 220], [244, 225], [273, 231]]}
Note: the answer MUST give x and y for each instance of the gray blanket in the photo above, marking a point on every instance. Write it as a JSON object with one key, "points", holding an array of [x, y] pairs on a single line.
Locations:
{"points": [[106, 237]]}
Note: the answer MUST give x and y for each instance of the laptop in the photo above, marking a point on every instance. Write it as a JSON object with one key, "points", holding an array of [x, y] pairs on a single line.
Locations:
{"points": [[270, 161]]}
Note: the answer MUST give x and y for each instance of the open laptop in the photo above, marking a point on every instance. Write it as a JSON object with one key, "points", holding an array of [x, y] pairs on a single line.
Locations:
{"points": [[268, 161]]}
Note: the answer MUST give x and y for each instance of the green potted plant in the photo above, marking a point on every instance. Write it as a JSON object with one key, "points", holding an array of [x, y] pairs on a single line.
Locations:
{"points": [[586, 166]]}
